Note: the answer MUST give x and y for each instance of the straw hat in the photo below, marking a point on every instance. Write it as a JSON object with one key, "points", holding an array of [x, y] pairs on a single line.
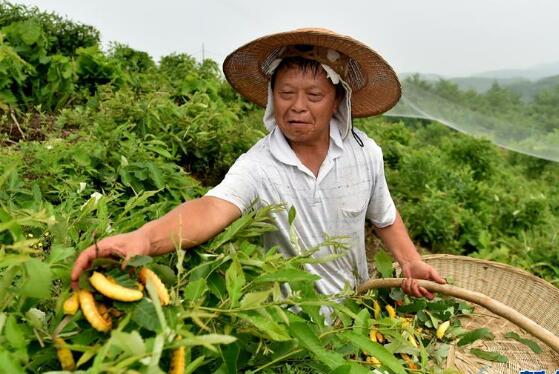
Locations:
{"points": [[375, 86]]}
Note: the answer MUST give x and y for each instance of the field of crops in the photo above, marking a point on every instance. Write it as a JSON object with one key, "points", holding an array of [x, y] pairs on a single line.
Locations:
{"points": [[100, 142]]}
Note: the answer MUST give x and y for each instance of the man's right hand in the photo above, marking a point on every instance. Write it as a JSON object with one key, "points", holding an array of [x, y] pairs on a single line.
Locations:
{"points": [[124, 246]]}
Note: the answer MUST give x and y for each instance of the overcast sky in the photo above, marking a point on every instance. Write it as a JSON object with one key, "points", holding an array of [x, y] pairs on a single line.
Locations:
{"points": [[447, 37]]}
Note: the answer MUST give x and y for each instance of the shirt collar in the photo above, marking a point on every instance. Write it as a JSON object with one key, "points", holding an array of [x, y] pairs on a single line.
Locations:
{"points": [[280, 149]]}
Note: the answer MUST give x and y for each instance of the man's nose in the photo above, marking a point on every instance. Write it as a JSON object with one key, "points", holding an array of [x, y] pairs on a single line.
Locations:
{"points": [[299, 103]]}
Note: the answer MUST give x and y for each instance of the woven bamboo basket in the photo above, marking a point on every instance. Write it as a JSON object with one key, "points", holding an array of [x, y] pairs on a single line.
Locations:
{"points": [[533, 302]]}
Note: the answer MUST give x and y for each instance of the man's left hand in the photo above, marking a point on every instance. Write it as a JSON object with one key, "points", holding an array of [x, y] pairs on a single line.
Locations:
{"points": [[419, 269]]}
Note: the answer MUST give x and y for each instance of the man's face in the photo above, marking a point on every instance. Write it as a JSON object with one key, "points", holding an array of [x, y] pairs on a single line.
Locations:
{"points": [[304, 103]]}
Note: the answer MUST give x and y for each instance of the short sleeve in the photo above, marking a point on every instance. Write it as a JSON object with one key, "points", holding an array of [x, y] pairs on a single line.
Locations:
{"points": [[240, 185], [381, 210]]}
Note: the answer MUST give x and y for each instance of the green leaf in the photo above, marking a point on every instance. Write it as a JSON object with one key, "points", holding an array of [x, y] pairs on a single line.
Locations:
{"points": [[234, 281], [530, 343], [14, 333], [131, 343], [255, 299], [138, 261], [415, 306], [199, 361], [361, 323], [308, 340], [87, 355], [376, 350], [208, 341], [156, 175], [145, 315], [37, 279], [9, 364], [490, 356], [230, 356], [287, 275], [351, 368], [472, 336], [383, 263], [441, 305], [266, 326], [216, 285], [59, 253], [165, 273], [195, 290], [291, 215], [8, 223]]}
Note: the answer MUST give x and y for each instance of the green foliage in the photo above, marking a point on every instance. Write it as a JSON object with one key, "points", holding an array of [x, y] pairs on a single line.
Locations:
{"points": [[462, 195], [95, 68], [62, 36]]}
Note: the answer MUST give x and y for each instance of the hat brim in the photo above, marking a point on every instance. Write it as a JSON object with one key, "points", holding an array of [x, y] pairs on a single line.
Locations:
{"points": [[381, 91]]}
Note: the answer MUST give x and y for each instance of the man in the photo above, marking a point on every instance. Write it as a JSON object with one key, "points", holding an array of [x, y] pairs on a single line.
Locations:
{"points": [[312, 82]]}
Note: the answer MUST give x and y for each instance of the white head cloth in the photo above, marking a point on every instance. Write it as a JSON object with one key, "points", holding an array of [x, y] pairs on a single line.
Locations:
{"points": [[342, 118]]}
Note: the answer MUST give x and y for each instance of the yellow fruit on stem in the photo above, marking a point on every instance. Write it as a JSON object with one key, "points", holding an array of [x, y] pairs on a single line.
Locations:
{"points": [[177, 360], [372, 360], [412, 341], [148, 275], [391, 311], [376, 309], [89, 309], [412, 365], [373, 335], [441, 330], [103, 310], [113, 290], [64, 355], [71, 305]]}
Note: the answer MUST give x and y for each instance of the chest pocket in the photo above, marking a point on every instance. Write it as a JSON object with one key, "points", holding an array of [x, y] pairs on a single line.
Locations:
{"points": [[352, 209]]}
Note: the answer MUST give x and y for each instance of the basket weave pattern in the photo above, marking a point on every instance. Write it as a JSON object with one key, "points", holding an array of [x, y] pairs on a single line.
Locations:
{"points": [[529, 295]]}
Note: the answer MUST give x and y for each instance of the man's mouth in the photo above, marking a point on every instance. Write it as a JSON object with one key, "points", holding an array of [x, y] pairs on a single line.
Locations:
{"points": [[297, 122]]}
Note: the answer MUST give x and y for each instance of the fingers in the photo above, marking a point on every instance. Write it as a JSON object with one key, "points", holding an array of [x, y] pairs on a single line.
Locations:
{"points": [[426, 293], [436, 277], [84, 260], [412, 288]]}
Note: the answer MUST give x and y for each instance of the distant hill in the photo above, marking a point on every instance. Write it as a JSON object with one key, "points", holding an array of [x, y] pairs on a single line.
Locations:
{"points": [[478, 84], [526, 82], [529, 89], [533, 73], [481, 84]]}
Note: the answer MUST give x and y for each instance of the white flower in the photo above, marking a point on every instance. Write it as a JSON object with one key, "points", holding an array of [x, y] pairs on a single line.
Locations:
{"points": [[94, 198], [97, 196], [82, 187]]}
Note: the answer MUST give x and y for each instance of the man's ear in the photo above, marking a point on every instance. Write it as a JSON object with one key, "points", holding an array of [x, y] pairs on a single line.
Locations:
{"points": [[337, 102], [340, 94]]}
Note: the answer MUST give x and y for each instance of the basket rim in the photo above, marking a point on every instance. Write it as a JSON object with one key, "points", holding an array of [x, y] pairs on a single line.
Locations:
{"points": [[494, 264]]}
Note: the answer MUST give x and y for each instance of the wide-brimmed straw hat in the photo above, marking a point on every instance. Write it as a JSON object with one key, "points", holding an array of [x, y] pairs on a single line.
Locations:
{"points": [[375, 86]]}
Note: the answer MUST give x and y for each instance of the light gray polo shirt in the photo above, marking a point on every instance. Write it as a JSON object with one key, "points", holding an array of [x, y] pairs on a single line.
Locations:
{"points": [[350, 187]]}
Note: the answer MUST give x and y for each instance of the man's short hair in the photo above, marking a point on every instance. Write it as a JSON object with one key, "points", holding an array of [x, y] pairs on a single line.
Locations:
{"points": [[303, 64]]}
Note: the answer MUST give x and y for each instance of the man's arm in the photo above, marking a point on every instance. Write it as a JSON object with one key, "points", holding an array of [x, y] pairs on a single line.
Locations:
{"points": [[192, 223], [395, 237]]}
